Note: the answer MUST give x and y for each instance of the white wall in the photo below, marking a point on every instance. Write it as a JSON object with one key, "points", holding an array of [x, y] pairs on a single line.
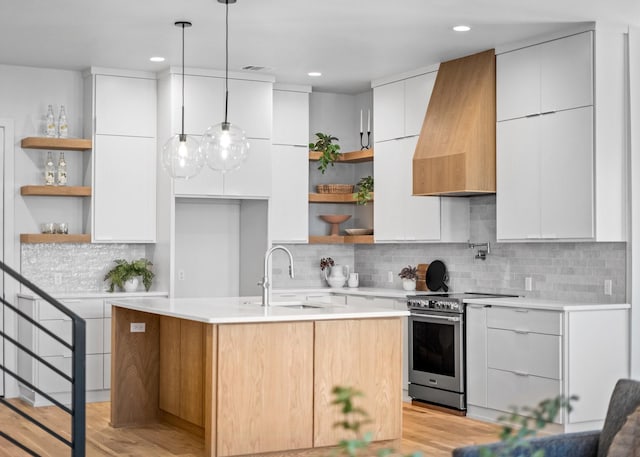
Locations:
{"points": [[207, 247], [25, 93]]}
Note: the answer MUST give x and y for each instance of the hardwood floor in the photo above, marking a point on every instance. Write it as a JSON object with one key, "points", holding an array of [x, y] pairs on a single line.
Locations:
{"points": [[431, 432]]}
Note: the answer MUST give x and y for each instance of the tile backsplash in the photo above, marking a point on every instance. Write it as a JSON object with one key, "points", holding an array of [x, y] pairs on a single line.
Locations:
{"points": [[81, 266], [573, 271]]}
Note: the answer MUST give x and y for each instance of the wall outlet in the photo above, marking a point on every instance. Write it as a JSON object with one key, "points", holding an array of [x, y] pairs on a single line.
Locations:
{"points": [[390, 276], [138, 327], [57, 279], [180, 275], [608, 286], [528, 283]]}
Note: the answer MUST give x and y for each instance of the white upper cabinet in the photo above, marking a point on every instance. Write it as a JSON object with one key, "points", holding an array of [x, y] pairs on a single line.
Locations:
{"points": [[124, 156], [124, 189], [250, 107], [203, 103], [548, 77], [545, 176], [398, 215], [400, 106], [289, 204], [125, 106], [559, 147], [253, 178], [291, 118]]}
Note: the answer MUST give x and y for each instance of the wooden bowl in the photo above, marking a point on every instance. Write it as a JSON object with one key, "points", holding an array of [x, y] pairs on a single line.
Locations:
{"points": [[335, 220]]}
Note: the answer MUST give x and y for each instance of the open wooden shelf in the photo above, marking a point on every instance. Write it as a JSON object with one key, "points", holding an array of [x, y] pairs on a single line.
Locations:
{"points": [[334, 198], [57, 144], [365, 155], [347, 239], [54, 238], [59, 191]]}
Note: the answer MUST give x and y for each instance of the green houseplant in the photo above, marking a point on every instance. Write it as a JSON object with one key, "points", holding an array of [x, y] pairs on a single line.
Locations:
{"points": [[365, 187], [330, 151], [126, 271]]}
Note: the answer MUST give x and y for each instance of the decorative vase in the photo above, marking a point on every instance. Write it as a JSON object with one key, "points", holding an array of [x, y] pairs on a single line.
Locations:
{"points": [[408, 284], [131, 285]]}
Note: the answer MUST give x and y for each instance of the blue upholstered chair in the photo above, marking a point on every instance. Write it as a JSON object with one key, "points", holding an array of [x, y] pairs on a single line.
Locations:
{"points": [[624, 400]]}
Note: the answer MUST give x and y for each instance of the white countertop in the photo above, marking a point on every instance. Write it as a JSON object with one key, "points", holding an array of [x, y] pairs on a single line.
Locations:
{"points": [[234, 310], [543, 304]]}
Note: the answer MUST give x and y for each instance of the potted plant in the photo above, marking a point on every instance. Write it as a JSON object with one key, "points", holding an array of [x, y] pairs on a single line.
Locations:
{"points": [[409, 276], [330, 152], [125, 274], [365, 187]]}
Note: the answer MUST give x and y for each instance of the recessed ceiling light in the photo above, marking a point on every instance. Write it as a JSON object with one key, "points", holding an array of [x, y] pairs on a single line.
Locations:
{"points": [[462, 28], [314, 73], [157, 59]]}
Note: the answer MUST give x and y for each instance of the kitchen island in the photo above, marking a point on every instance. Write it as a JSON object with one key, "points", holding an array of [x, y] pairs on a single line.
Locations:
{"points": [[253, 380]]}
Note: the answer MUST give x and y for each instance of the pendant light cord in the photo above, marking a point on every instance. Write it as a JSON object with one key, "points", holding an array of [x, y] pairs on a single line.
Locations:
{"points": [[226, 74], [182, 136]]}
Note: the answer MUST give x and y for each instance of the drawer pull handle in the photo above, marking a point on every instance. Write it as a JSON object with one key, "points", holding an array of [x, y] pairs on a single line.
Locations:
{"points": [[522, 332], [521, 310], [433, 381], [521, 373], [286, 295]]}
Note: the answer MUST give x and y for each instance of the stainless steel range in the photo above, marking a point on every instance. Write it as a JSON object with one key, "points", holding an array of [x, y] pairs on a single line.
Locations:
{"points": [[437, 347]]}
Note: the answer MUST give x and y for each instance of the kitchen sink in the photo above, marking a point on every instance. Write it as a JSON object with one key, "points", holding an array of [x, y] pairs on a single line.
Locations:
{"points": [[290, 304], [300, 306]]}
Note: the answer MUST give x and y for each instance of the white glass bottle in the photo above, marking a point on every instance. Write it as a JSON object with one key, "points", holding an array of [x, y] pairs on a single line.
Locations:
{"points": [[63, 127], [49, 171], [62, 170], [50, 127]]}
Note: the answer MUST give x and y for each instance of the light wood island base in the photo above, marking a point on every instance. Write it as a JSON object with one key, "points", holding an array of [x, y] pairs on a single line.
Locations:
{"points": [[256, 388]]}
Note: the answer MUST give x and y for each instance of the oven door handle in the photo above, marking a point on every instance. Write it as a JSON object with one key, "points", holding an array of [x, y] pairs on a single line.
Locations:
{"points": [[433, 316]]}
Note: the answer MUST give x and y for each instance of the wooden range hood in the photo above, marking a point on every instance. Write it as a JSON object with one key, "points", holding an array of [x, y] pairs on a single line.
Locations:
{"points": [[456, 151]]}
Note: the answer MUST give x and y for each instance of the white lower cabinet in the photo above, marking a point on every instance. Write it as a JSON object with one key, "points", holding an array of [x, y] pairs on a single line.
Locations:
{"points": [[519, 356]]}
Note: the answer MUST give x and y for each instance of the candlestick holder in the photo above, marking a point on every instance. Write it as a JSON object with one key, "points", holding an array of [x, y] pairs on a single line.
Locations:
{"points": [[368, 145]]}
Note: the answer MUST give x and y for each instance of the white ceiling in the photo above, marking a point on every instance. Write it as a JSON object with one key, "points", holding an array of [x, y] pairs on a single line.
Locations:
{"points": [[350, 41]]}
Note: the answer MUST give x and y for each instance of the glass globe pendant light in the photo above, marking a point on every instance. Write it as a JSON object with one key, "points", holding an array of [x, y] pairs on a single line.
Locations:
{"points": [[181, 154], [225, 145]]}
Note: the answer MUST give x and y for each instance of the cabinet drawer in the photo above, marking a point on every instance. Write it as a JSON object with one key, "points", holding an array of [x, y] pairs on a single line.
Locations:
{"points": [[525, 353], [47, 346], [525, 320], [506, 389], [51, 382], [86, 308]]}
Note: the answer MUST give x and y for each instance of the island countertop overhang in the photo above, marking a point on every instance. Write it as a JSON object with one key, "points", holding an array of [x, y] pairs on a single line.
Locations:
{"points": [[238, 310]]}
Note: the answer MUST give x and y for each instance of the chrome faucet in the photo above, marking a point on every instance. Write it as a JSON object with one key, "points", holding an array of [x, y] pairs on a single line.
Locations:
{"points": [[266, 279]]}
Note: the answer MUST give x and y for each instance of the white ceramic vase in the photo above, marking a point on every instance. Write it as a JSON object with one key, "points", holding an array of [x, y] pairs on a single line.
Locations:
{"points": [[408, 284], [131, 285]]}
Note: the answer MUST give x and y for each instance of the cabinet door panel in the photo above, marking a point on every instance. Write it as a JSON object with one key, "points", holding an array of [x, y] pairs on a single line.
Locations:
{"points": [[388, 106], [124, 197], [208, 182], [289, 204], [507, 389], [567, 193], [416, 97], [421, 214], [250, 107], [518, 83], [388, 214], [476, 355], [291, 118], [125, 106], [526, 353], [253, 178], [517, 179], [203, 102], [567, 73], [51, 382]]}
